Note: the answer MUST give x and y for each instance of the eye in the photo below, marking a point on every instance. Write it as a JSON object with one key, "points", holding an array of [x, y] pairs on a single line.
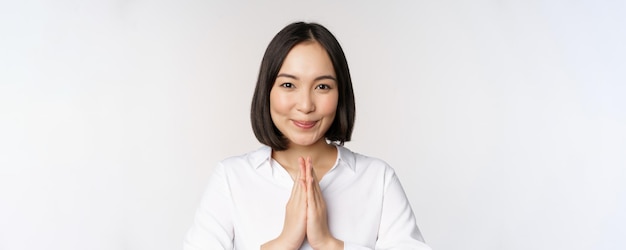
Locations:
{"points": [[323, 86], [287, 85]]}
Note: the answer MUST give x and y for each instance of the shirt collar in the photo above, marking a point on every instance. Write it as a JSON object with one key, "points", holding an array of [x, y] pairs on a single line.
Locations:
{"points": [[260, 156], [346, 157], [263, 155]]}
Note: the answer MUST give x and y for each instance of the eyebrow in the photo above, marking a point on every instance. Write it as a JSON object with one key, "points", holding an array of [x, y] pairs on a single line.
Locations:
{"points": [[329, 77]]}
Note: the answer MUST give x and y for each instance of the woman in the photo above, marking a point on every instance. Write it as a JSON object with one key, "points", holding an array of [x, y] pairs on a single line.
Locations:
{"points": [[303, 189]]}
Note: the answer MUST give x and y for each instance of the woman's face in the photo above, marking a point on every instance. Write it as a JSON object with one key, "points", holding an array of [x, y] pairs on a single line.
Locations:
{"points": [[303, 99]]}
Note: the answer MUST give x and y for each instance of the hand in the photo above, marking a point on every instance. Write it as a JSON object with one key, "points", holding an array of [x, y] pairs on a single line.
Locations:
{"points": [[317, 231], [294, 227], [305, 215]]}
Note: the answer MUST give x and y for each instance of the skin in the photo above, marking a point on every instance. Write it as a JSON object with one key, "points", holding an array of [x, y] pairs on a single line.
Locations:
{"points": [[303, 104]]}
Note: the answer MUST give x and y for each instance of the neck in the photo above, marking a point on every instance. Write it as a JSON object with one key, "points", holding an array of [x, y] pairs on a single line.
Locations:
{"points": [[322, 154]]}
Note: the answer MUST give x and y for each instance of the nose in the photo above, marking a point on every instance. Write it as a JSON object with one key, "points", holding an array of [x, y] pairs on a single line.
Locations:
{"points": [[305, 102]]}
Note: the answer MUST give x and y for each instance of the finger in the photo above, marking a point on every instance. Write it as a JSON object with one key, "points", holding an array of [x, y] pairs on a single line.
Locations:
{"points": [[296, 186], [298, 194], [301, 176], [318, 198], [313, 175], [302, 181], [308, 167], [302, 172], [313, 184], [309, 182], [297, 182]]}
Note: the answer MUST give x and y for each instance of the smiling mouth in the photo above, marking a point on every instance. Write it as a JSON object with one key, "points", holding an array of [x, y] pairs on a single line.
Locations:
{"points": [[305, 124]]}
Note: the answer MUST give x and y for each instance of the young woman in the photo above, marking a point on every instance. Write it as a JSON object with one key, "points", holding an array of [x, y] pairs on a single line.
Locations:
{"points": [[303, 189]]}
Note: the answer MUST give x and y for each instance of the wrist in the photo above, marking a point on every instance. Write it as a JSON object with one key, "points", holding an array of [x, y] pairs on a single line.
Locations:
{"points": [[280, 243], [331, 244]]}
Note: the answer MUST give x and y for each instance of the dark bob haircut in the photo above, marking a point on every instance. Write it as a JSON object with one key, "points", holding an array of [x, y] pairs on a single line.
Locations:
{"points": [[262, 125]]}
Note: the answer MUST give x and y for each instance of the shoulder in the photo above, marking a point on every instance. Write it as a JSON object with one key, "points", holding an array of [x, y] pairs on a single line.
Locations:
{"points": [[250, 159], [364, 163]]}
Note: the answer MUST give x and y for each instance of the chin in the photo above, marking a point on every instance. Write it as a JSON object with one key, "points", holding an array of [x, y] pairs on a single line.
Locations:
{"points": [[304, 142]]}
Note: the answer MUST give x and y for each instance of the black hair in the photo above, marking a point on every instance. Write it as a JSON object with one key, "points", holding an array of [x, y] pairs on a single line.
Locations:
{"points": [[262, 125]]}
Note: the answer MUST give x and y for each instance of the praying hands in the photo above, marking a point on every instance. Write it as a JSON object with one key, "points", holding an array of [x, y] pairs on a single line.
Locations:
{"points": [[305, 215]]}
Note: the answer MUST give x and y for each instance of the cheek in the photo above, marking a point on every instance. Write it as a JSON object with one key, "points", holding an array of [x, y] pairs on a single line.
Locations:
{"points": [[329, 106], [278, 103]]}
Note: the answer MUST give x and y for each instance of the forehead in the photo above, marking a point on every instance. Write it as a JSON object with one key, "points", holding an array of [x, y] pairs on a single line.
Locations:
{"points": [[308, 59]]}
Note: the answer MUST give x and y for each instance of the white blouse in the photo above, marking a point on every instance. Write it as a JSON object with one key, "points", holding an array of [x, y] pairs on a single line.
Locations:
{"points": [[244, 204]]}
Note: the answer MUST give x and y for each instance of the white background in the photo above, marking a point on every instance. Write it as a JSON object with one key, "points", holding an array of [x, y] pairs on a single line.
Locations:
{"points": [[506, 120]]}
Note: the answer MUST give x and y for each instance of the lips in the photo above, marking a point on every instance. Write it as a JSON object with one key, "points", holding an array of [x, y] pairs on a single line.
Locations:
{"points": [[305, 124]]}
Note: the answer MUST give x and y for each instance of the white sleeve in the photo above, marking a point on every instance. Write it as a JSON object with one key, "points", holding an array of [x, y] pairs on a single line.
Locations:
{"points": [[398, 229], [213, 226]]}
